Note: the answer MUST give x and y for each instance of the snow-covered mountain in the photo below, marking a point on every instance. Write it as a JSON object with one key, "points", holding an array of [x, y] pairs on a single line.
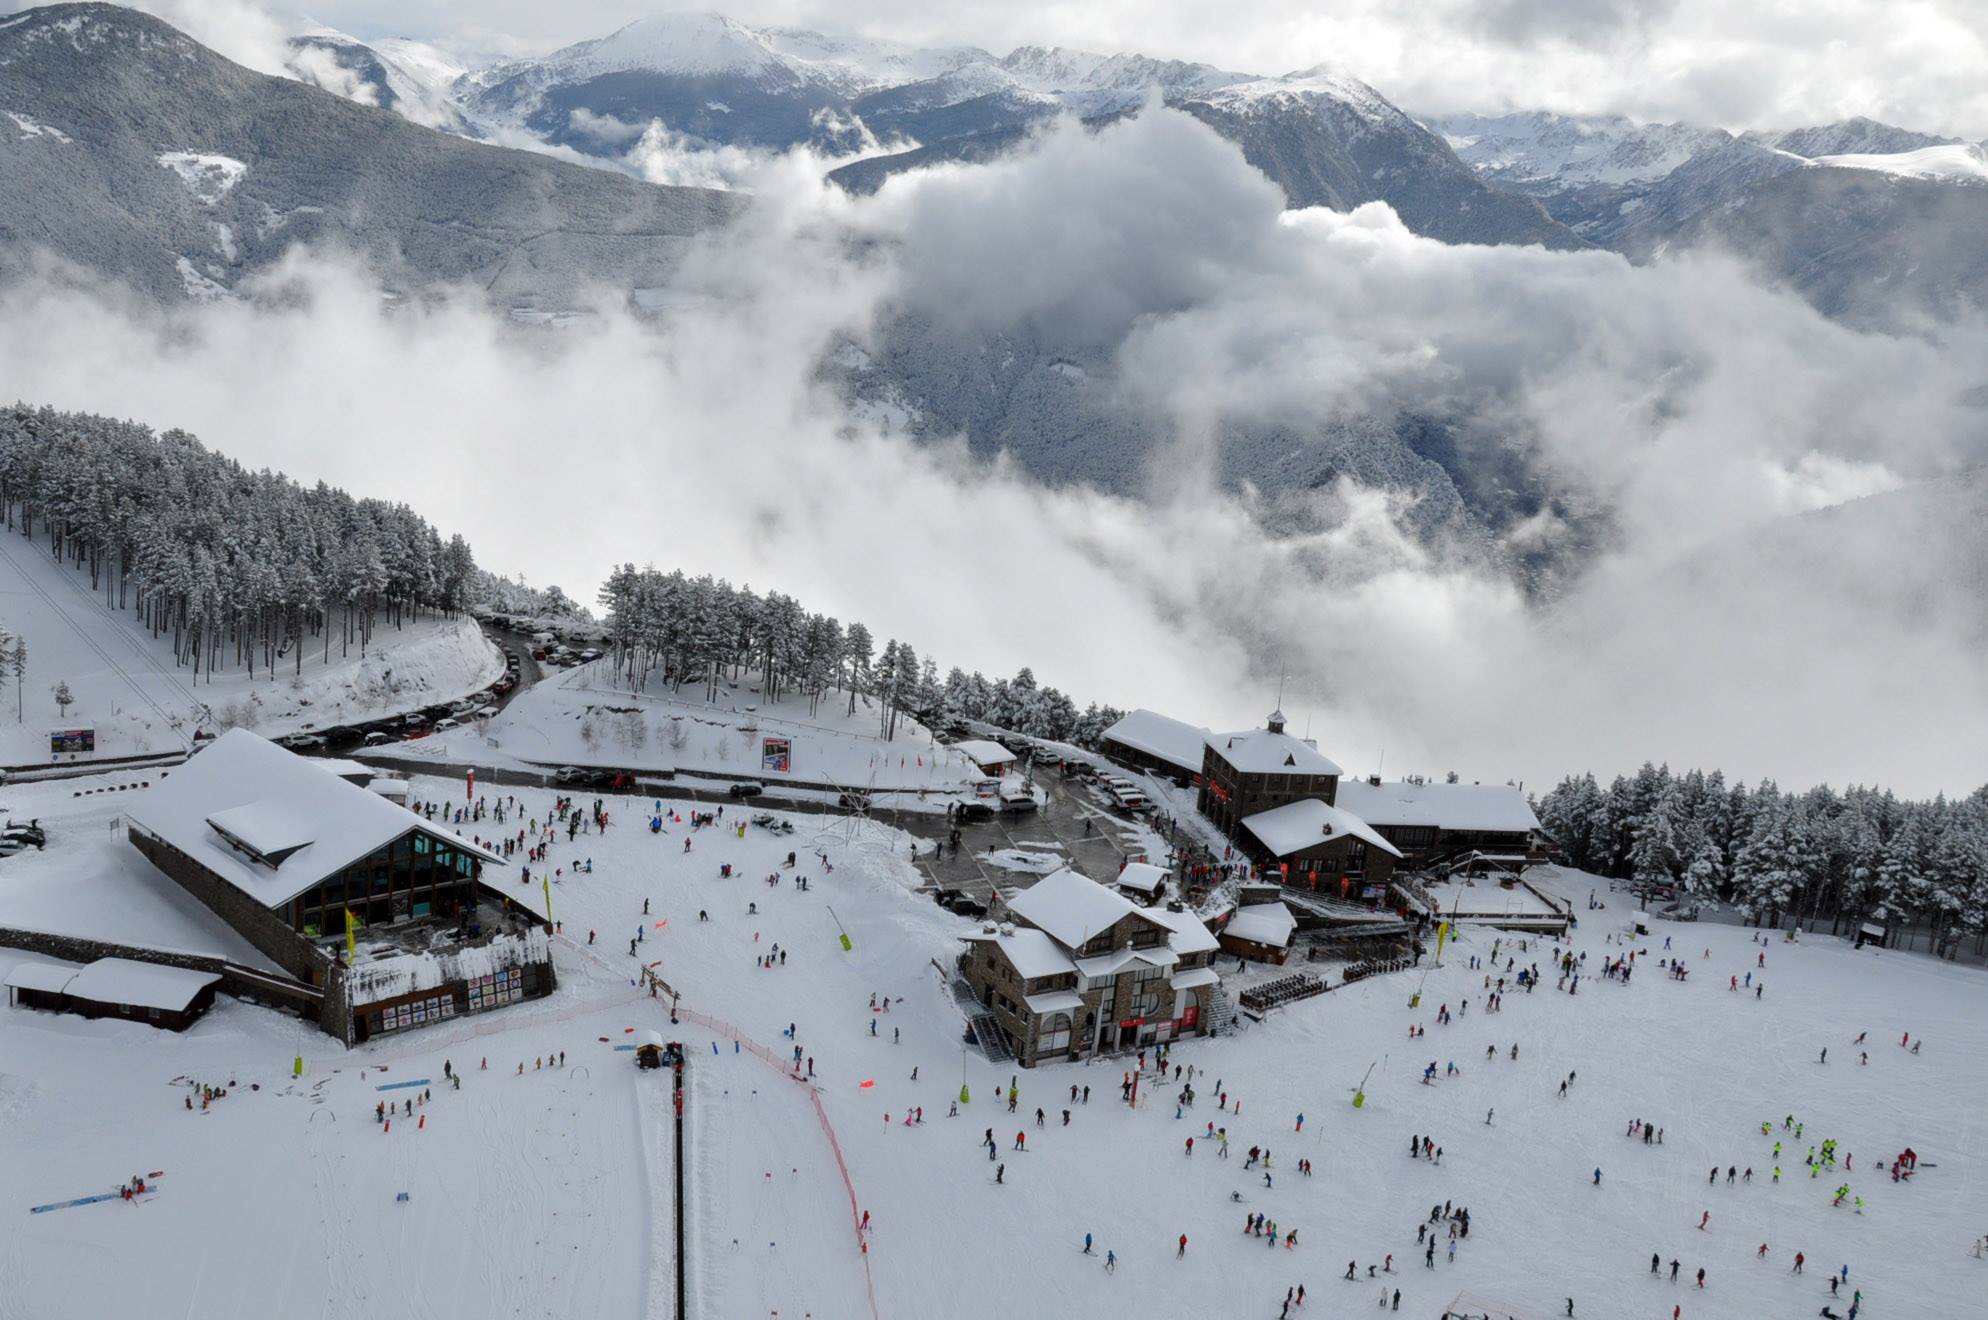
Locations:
{"points": [[139, 154], [1849, 213], [410, 78]]}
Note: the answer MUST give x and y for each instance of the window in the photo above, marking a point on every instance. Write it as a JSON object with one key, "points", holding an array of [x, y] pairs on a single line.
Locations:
{"points": [[1054, 1036]]}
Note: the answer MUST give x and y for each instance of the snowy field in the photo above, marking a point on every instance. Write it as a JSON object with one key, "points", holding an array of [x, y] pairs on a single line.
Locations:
{"points": [[126, 685], [581, 717], [549, 1194]]}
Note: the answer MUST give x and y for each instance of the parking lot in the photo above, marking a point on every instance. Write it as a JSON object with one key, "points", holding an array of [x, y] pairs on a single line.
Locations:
{"points": [[1056, 830]]}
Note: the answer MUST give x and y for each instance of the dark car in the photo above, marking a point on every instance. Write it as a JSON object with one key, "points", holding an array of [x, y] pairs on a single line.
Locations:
{"points": [[973, 811], [746, 789], [853, 801], [968, 907]]}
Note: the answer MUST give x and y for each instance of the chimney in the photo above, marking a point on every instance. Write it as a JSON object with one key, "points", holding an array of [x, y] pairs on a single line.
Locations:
{"points": [[1276, 723]]}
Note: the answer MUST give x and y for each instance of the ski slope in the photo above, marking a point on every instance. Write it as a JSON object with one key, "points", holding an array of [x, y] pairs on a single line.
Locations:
{"points": [[126, 685], [548, 1194]]}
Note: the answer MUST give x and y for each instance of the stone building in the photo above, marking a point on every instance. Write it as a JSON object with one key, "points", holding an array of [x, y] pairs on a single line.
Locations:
{"points": [[1079, 970]]}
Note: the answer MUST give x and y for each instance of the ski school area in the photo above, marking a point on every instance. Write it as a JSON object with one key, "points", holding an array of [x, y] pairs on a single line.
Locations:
{"points": [[1516, 1151]]}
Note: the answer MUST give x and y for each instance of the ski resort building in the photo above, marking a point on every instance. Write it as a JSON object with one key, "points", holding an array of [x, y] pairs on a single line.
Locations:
{"points": [[1147, 740], [1083, 971], [1245, 773], [1142, 882], [1434, 823], [172, 998], [383, 915], [1261, 931], [991, 757], [1314, 845]]}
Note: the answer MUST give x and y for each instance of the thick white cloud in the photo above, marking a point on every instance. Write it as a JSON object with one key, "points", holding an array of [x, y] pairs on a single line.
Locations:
{"points": [[1697, 407], [1919, 63]]}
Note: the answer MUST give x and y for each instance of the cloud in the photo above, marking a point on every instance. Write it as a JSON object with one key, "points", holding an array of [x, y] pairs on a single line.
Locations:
{"points": [[1698, 409]]}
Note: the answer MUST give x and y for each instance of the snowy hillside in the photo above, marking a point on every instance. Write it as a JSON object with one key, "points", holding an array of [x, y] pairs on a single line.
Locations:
{"points": [[1572, 149], [126, 687], [562, 1149], [1959, 162]]}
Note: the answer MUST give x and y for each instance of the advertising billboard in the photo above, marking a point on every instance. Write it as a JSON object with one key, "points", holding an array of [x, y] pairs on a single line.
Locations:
{"points": [[72, 742], [775, 754]]}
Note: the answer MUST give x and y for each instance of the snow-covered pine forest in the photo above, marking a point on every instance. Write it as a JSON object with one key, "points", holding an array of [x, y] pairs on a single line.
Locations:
{"points": [[692, 630], [239, 568], [1820, 854]]}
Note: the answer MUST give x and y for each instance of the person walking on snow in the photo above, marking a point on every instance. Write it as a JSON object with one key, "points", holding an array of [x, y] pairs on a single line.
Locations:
{"points": [[1181, 1250]]}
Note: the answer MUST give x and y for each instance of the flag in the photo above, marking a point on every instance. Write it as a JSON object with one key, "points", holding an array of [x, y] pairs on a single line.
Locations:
{"points": [[1442, 934], [547, 882], [351, 937], [470, 793]]}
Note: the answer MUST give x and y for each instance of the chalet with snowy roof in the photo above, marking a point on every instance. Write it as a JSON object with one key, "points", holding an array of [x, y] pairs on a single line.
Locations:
{"points": [[991, 757], [1434, 823], [171, 998], [1147, 740], [1313, 845], [1081, 970], [1249, 772], [1261, 931], [1142, 882], [298, 860]]}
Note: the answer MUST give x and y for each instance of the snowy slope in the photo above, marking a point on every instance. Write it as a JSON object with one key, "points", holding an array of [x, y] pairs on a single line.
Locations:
{"points": [[408, 77], [559, 1179], [127, 687], [1961, 162], [1572, 149]]}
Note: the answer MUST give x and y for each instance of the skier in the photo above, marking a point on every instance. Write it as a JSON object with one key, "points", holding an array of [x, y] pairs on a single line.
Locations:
{"points": [[1597, 1177], [1087, 1244], [1181, 1250]]}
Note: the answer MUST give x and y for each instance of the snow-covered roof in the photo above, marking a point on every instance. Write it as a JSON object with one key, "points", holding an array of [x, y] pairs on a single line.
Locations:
{"points": [[245, 790], [1111, 964], [1142, 876], [984, 752], [1190, 933], [1031, 953], [1195, 977], [1261, 752], [1268, 924], [139, 984], [1462, 808], [1171, 740], [49, 978], [1072, 907], [270, 830], [1307, 823], [1054, 1001], [357, 771]]}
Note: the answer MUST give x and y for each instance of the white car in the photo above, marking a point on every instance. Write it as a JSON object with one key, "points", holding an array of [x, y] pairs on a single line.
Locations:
{"points": [[443, 726], [485, 712]]}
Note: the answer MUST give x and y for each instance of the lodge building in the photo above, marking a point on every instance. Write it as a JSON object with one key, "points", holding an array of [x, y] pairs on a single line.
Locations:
{"points": [[1080, 970], [384, 914]]}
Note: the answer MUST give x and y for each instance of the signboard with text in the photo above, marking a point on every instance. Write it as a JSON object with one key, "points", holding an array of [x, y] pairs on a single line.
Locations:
{"points": [[775, 754]]}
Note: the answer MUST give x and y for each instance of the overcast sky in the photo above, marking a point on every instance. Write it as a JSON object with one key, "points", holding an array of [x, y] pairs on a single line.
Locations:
{"points": [[1737, 63]]}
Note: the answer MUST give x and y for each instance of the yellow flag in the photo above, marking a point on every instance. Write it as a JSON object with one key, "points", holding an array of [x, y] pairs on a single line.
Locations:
{"points": [[351, 938], [548, 898], [1442, 934]]}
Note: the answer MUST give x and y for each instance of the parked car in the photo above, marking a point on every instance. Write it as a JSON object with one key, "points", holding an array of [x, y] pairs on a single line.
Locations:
{"points": [[485, 712], [377, 739], [746, 788], [589, 653], [302, 742], [414, 720], [968, 907], [853, 801], [973, 811], [443, 726], [572, 774], [21, 836]]}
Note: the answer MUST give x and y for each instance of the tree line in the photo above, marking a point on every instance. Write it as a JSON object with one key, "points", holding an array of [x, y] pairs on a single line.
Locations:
{"points": [[239, 567], [1861, 854], [694, 631]]}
